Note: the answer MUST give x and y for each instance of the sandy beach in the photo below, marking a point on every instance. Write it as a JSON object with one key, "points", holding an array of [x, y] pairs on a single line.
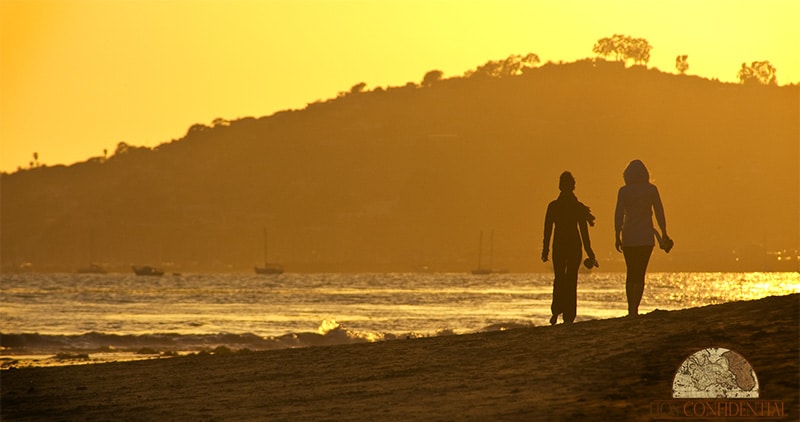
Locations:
{"points": [[611, 369]]}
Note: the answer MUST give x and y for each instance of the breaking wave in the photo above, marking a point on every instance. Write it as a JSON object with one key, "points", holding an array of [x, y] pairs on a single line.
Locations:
{"points": [[329, 333]]}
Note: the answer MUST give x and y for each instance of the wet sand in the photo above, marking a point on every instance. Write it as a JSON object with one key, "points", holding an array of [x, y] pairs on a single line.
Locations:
{"points": [[595, 370]]}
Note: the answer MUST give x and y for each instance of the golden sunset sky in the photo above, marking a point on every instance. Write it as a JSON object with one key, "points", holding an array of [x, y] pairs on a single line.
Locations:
{"points": [[80, 76]]}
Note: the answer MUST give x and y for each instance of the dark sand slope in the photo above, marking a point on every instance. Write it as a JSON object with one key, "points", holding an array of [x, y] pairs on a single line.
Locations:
{"points": [[595, 370]]}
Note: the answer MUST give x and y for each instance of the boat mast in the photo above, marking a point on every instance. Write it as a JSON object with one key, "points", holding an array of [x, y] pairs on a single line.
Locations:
{"points": [[491, 249], [265, 247], [480, 249]]}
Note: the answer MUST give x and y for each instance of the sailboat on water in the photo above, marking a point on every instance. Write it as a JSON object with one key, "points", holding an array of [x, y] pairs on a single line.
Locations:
{"points": [[268, 268], [92, 268], [481, 270]]}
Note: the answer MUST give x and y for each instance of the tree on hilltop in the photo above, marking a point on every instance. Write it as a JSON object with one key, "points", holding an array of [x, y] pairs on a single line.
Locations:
{"points": [[758, 73], [219, 121], [639, 51], [35, 163], [611, 45], [681, 64], [432, 77], [357, 88], [624, 48], [515, 64], [123, 148]]}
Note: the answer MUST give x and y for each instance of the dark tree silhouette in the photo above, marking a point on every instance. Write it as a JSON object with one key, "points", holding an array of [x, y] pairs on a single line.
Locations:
{"points": [[359, 87], [605, 47], [219, 121], [758, 73], [529, 61], [624, 48], [122, 148], [511, 66], [197, 127], [432, 77], [355, 89], [638, 50], [681, 64]]}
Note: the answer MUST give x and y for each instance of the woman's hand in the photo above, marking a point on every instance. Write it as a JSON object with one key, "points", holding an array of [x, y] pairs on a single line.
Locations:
{"points": [[666, 243], [591, 261]]}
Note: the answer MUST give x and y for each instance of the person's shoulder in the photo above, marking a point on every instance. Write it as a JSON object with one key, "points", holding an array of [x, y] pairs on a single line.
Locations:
{"points": [[582, 206]]}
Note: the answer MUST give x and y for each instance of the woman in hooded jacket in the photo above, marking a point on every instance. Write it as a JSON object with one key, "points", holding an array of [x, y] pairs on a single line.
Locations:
{"points": [[637, 201]]}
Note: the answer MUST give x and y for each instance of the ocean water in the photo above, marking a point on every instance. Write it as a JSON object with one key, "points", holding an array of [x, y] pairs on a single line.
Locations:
{"points": [[117, 316]]}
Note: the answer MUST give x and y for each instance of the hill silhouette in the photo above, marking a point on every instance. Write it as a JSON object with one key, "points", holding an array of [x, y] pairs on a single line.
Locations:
{"points": [[405, 178]]}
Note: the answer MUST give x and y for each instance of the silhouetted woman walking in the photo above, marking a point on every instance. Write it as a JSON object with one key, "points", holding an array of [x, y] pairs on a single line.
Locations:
{"points": [[570, 218], [633, 224]]}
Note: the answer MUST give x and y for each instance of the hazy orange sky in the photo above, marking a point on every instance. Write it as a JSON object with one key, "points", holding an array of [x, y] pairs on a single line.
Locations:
{"points": [[80, 76]]}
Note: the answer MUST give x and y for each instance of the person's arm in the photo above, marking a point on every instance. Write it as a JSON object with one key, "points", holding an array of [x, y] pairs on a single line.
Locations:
{"points": [[587, 243], [658, 210], [619, 216], [548, 232]]}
